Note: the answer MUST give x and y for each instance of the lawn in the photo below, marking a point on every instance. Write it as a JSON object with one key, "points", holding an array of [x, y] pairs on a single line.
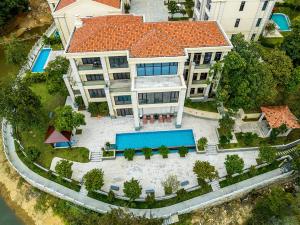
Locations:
{"points": [[36, 135], [210, 106]]}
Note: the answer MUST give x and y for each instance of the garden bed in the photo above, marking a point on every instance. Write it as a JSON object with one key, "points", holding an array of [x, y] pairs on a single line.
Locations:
{"points": [[210, 106], [156, 204]]}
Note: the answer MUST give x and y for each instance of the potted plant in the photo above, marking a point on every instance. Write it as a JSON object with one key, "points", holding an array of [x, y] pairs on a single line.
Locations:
{"points": [[202, 142], [164, 151], [183, 151], [147, 152]]}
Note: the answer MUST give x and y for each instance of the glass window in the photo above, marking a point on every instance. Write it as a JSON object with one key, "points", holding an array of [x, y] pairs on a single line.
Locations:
{"points": [[195, 75], [118, 62], [192, 91], [242, 6], [218, 56], [207, 58], [124, 112], [96, 93], [197, 58], [200, 90], [121, 76], [258, 22], [158, 97], [203, 76], [122, 100], [237, 23], [95, 61], [265, 5], [165, 69], [185, 74], [173, 68], [156, 69], [93, 77]]}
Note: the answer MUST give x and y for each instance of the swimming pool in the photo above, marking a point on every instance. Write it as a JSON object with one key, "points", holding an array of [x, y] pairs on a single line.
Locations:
{"points": [[282, 21], [171, 139], [41, 60]]}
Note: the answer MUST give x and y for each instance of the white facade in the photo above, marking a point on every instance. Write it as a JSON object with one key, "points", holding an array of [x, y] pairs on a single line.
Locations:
{"points": [[235, 16]]}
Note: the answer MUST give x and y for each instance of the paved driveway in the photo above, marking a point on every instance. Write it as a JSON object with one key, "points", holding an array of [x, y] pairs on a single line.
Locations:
{"points": [[153, 10]]}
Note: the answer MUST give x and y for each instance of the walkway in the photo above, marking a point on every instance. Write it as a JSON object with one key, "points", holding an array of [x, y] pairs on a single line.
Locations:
{"points": [[222, 195]]}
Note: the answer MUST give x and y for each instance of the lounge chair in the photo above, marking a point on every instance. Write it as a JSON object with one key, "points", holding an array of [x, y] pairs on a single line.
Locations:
{"points": [[114, 188], [145, 121], [168, 118], [151, 119], [160, 119], [184, 183]]}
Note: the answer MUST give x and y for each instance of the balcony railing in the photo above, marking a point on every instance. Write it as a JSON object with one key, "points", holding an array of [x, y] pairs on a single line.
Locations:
{"points": [[200, 82], [202, 66], [89, 67], [93, 83]]}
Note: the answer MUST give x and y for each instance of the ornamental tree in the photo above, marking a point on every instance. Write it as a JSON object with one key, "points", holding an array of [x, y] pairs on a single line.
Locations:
{"points": [[234, 164], [129, 154], [164, 151], [64, 168], [132, 189], [93, 180], [173, 7], [15, 52], [66, 119], [171, 184], [54, 75], [204, 170], [267, 153]]}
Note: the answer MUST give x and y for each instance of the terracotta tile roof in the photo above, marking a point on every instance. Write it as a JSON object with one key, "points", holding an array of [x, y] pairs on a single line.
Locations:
{"points": [[278, 115], [112, 3], [144, 39], [54, 136]]}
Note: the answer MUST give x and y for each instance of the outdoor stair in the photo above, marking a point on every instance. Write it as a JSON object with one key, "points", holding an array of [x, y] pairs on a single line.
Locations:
{"points": [[211, 149], [286, 152], [215, 185], [96, 156], [171, 220]]}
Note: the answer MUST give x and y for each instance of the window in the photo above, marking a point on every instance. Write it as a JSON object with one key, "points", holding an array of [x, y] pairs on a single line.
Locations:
{"points": [[94, 61], [185, 74], [253, 37], [122, 100], [218, 56], [158, 97], [265, 5], [203, 76], [197, 58], [118, 62], [121, 76], [200, 90], [237, 23], [207, 58], [187, 62], [258, 22], [242, 6], [205, 16], [195, 75], [124, 112], [97, 93], [93, 77], [155, 69], [192, 92]]}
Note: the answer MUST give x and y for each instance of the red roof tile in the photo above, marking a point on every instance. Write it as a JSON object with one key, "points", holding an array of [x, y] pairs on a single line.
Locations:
{"points": [[278, 115], [54, 136], [112, 3], [144, 39]]}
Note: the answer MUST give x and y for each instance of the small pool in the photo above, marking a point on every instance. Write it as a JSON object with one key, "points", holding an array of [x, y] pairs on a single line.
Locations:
{"points": [[171, 139], [282, 21], [41, 60]]}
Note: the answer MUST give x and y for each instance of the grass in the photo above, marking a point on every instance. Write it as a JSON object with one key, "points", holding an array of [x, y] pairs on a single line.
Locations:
{"points": [[210, 106], [274, 42], [156, 204], [293, 136], [245, 176], [36, 135]]}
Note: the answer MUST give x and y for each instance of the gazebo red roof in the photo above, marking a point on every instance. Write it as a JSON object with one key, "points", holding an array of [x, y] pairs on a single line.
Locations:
{"points": [[54, 136], [278, 115]]}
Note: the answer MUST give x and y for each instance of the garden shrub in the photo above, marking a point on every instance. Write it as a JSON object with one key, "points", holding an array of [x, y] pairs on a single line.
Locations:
{"points": [[31, 77], [98, 109], [111, 196], [164, 151], [249, 138], [234, 164], [64, 168], [225, 131], [132, 189], [79, 102], [183, 151], [181, 194], [274, 42], [33, 153], [202, 142], [129, 154], [171, 184], [267, 154], [147, 152], [150, 199], [93, 180]]}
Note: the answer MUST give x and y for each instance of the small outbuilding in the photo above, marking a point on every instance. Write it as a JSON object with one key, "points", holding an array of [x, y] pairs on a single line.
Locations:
{"points": [[276, 116], [58, 139]]}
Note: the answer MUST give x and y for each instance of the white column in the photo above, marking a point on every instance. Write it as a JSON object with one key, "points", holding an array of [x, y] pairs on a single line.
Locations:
{"points": [[206, 92], [135, 110], [261, 117], [269, 132], [79, 82], [109, 102], [105, 70], [68, 85], [190, 79], [180, 107], [288, 131]]}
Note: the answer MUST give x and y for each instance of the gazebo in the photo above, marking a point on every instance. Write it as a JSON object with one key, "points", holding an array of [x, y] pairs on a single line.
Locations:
{"points": [[58, 139], [277, 116]]}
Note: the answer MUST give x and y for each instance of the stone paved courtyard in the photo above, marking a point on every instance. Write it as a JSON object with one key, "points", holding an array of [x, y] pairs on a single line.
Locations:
{"points": [[152, 172]]}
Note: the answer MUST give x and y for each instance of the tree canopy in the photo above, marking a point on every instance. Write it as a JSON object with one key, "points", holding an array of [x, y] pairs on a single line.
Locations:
{"points": [[234, 164], [204, 170], [93, 180], [66, 119], [10, 8], [15, 52], [64, 168], [267, 153], [132, 189]]}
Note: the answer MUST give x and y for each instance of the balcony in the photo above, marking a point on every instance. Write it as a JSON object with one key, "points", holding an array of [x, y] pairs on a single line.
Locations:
{"points": [[120, 86], [159, 82], [202, 66], [94, 83], [200, 82], [89, 67]]}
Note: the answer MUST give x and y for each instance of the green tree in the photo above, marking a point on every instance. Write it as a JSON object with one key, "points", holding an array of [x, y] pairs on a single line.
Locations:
{"points": [[15, 52], [291, 43], [246, 81], [267, 153], [132, 189], [66, 119], [234, 164], [295, 3], [204, 170], [164, 151], [129, 154], [33, 153], [189, 4], [147, 152], [54, 75], [171, 184], [10, 8], [93, 180], [19, 105], [173, 7], [64, 168]]}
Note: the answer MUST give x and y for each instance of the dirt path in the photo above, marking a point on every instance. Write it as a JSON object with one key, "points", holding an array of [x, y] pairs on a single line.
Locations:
{"points": [[19, 198]]}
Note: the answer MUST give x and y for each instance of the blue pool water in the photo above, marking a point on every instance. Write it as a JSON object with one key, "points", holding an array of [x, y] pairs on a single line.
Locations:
{"points": [[139, 140], [282, 21], [41, 60]]}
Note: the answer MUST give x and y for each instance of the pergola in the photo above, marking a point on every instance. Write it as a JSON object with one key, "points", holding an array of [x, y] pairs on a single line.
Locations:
{"points": [[54, 137], [277, 116]]}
